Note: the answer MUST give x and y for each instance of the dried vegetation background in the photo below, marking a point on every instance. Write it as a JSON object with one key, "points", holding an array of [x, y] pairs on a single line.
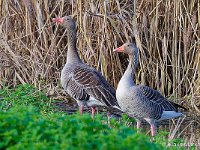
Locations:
{"points": [[167, 33]]}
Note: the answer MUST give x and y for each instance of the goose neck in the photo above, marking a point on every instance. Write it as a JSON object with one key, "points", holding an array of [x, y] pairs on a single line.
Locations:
{"points": [[127, 78], [72, 53]]}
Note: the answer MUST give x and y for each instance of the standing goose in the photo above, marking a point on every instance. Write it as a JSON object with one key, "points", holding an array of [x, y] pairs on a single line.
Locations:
{"points": [[140, 101], [83, 83]]}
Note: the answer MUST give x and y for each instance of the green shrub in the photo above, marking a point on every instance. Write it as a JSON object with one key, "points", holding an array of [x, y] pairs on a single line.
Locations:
{"points": [[24, 127], [29, 121], [24, 95]]}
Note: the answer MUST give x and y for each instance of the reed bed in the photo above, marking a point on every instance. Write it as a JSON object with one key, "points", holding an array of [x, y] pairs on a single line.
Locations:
{"points": [[33, 49]]}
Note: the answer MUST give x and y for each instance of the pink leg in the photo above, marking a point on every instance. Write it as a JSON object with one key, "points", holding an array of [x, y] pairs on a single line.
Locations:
{"points": [[138, 124], [108, 115], [93, 111], [153, 130], [81, 110]]}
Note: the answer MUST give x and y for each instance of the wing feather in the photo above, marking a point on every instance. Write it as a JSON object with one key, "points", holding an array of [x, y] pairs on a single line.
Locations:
{"points": [[75, 91], [156, 98], [92, 83]]}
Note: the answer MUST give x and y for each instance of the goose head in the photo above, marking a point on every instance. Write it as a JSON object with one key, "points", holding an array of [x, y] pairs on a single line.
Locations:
{"points": [[128, 48], [66, 21]]}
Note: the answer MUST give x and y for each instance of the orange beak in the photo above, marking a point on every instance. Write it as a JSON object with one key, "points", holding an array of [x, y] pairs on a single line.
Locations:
{"points": [[119, 49], [58, 20]]}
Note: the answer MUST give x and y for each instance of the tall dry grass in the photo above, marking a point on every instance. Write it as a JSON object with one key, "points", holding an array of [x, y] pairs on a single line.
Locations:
{"points": [[33, 49]]}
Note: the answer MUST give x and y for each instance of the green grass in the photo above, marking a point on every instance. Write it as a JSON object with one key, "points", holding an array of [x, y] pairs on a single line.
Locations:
{"points": [[28, 120]]}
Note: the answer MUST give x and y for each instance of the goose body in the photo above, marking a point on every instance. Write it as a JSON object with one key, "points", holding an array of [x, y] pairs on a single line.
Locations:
{"points": [[139, 101], [86, 85], [82, 82]]}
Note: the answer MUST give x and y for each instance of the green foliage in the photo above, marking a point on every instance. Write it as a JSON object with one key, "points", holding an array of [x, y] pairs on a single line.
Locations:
{"points": [[23, 125], [24, 95]]}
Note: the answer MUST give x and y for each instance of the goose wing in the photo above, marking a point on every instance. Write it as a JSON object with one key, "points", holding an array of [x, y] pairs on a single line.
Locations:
{"points": [[86, 81], [75, 91], [156, 98]]}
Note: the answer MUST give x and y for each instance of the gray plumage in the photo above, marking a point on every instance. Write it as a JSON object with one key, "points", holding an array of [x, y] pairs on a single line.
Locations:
{"points": [[83, 83], [144, 102], [140, 101]]}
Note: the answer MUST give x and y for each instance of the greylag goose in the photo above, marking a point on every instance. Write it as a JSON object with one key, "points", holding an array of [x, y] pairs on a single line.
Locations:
{"points": [[139, 101], [82, 82]]}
